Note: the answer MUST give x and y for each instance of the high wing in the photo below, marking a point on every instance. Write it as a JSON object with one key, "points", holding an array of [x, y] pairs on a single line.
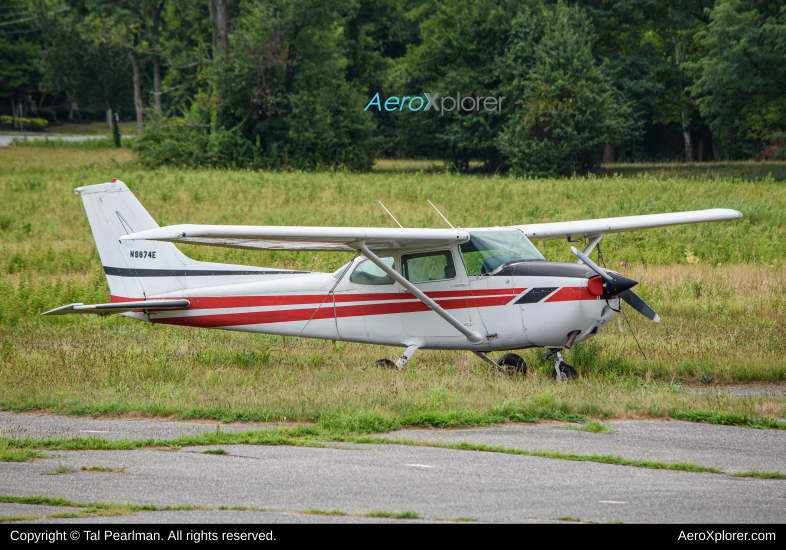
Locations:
{"points": [[603, 226], [301, 238], [340, 238]]}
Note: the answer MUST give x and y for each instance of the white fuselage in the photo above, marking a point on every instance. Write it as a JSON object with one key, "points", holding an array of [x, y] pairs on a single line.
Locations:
{"points": [[529, 304]]}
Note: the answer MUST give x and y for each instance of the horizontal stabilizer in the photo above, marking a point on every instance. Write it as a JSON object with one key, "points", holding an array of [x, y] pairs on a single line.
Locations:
{"points": [[121, 307]]}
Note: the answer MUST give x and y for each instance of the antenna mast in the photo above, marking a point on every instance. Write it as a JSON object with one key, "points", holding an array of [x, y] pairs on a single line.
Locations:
{"points": [[440, 213], [389, 214]]}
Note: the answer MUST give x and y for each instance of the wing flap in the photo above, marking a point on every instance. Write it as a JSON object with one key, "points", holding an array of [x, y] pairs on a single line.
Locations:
{"points": [[302, 238], [121, 307]]}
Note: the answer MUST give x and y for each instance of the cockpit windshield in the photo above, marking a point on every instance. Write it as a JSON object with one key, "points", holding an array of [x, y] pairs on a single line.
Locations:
{"points": [[487, 250]]}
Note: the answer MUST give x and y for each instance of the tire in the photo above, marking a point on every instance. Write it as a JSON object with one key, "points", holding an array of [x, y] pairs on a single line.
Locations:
{"points": [[511, 364], [569, 372], [385, 364]]}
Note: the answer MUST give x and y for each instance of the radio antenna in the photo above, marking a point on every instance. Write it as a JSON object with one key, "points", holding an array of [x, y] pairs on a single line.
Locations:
{"points": [[389, 214], [440, 213]]}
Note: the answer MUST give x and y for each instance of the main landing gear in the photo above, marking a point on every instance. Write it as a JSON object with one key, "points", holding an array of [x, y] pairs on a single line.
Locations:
{"points": [[512, 364], [562, 371], [509, 364], [413, 345]]}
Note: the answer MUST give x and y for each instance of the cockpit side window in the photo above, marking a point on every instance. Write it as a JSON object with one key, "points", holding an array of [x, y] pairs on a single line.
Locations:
{"points": [[428, 266], [367, 273], [487, 250]]}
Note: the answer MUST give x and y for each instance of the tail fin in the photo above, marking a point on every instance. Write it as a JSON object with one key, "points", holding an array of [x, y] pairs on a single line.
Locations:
{"points": [[135, 270]]}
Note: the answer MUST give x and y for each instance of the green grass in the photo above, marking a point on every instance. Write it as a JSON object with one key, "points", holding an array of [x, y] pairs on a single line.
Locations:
{"points": [[90, 509], [103, 469], [760, 474], [18, 455], [593, 427], [750, 170], [62, 469], [5, 519], [320, 512], [719, 288], [91, 128], [568, 518], [314, 436], [215, 452], [407, 514]]}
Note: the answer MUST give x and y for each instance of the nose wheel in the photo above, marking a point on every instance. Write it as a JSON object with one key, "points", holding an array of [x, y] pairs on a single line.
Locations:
{"points": [[562, 371]]}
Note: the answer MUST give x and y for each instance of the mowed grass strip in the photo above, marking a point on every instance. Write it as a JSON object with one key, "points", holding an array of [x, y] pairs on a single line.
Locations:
{"points": [[760, 474], [314, 437], [18, 454], [719, 288], [94, 508]]}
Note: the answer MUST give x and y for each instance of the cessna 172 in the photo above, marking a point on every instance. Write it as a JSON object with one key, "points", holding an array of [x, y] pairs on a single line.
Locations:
{"points": [[482, 290]]}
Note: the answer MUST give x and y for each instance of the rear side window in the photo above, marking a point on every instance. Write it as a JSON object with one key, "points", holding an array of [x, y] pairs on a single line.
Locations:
{"points": [[367, 273], [428, 266]]}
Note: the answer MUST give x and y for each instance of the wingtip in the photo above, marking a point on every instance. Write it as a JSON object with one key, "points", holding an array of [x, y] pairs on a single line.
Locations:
{"points": [[656, 318]]}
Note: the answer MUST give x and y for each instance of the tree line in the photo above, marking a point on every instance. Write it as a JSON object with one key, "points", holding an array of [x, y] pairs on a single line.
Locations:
{"points": [[286, 83]]}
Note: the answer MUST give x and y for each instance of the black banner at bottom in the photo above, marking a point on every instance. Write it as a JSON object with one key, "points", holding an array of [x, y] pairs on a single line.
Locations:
{"points": [[15, 534]]}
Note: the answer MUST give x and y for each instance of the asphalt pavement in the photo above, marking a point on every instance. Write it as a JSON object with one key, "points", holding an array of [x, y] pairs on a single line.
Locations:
{"points": [[438, 484]]}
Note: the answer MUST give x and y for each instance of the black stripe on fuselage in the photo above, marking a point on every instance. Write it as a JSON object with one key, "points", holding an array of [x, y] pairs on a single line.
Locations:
{"points": [[536, 295], [544, 269], [125, 272]]}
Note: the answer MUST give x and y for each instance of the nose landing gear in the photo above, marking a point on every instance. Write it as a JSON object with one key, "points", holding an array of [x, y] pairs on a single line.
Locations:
{"points": [[562, 371]]}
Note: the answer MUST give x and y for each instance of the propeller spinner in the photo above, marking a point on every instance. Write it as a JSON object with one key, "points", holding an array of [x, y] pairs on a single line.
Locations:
{"points": [[618, 285]]}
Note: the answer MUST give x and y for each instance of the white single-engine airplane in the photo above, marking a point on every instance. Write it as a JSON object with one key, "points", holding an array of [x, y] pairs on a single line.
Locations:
{"points": [[482, 290]]}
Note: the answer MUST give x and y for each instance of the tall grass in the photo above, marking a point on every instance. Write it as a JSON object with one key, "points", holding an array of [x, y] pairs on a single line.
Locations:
{"points": [[719, 288]]}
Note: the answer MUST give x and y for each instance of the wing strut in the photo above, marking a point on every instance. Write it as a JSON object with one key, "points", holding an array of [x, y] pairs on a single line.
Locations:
{"points": [[591, 246], [472, 336]]}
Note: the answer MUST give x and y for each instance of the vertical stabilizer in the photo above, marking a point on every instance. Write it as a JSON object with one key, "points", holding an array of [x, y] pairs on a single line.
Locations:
{"points": [[134, 269]]}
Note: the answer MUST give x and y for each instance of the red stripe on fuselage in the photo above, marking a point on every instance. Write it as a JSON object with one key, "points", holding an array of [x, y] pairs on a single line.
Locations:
{"points": [[570, 294], [220, 302], [324, 312], [461, 299]]}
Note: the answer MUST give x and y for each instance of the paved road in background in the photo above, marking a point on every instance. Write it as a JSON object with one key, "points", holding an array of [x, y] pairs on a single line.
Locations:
{"points": [[436, 483]]}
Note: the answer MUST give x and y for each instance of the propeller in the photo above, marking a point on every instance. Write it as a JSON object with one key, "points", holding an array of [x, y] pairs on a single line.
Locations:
{"points": [[619, 285]]}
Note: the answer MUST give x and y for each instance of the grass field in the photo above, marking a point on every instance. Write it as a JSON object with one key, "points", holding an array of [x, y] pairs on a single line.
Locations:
{"points": [[719, 288], [88, 128]]}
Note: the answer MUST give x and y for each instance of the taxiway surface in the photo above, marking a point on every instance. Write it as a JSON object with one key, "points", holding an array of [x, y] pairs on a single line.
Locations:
{"points": [[436, 483]]}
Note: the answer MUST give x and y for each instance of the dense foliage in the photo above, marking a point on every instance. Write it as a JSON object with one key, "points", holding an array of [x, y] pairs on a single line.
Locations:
{"points": [[286, 83]]}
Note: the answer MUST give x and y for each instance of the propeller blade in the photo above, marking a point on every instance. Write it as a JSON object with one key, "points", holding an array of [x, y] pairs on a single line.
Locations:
{"points": [[634, 301], [583, 257]]}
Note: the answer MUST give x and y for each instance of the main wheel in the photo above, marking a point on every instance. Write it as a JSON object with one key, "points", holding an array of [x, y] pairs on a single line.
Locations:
{"points": [[385, 364], [510, 363], [567, 372]]}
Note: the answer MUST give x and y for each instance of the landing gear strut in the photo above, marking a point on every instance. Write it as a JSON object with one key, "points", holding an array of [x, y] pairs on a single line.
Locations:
{"points": [[413, 345], [510, 363], [562, 371]]}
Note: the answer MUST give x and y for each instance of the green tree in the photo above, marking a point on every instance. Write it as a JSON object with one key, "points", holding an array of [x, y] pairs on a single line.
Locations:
{"points": [[566, 108], [276, 95], [19, 74], [740, 80], [461, 50], [79, 60]]}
